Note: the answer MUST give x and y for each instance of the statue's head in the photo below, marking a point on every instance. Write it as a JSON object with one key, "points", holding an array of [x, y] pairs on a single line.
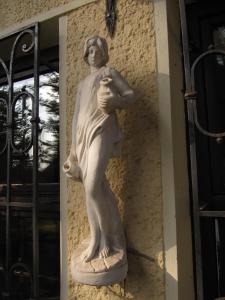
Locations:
{"points": [[96, 51]]}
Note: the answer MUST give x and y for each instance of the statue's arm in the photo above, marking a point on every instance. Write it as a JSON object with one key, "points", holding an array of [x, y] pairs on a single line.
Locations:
{"points": [[125, 95], [70, 166]]}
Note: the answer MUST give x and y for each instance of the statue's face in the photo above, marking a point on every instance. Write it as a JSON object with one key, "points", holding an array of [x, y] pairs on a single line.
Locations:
{"points": [[95, 58]]}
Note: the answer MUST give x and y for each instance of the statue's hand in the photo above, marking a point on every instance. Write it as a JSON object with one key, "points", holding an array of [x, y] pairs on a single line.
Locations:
{"points": [[72, 170]]}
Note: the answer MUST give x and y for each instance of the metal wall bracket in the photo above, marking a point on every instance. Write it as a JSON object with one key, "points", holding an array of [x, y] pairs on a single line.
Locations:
{"points": [[110, 16], [192, 95]]}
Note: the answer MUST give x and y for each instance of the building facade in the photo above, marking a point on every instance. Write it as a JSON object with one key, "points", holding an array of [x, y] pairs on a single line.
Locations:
{"points": [[151, 178]]}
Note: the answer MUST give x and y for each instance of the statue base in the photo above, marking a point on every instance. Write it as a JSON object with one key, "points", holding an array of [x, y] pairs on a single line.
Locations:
{"points": [[99, 271]]}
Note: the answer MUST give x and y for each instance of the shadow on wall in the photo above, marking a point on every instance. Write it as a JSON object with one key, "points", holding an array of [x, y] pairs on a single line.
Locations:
{"points": [[141, 195]]}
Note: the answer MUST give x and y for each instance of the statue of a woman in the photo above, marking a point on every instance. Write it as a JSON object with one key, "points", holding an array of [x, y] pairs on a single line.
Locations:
{"points": [[95, 139]]}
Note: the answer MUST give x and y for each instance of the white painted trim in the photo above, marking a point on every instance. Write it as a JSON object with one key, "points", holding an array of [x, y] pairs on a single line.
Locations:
{"points": [[179, 283], [167, 166], [54, 12], [63, 143]]}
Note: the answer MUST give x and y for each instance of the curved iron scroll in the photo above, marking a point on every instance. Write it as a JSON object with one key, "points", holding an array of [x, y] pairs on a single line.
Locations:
{"points": [[25, 48], [10, 104], [192, 95]]}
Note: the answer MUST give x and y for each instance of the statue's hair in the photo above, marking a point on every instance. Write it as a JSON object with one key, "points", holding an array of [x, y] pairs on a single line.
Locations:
{"points": [[100, 43]]}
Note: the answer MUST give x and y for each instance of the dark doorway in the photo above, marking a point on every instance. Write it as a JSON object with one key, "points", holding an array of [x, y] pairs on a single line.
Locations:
{"points": [[205, 90]]}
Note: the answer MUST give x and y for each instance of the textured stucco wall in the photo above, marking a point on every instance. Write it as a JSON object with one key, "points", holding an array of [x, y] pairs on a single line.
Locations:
{"points": [[135, 177], [16, 11]]}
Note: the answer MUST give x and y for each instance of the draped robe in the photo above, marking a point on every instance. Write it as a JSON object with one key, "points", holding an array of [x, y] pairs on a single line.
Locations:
{"points": [[89, 120]]}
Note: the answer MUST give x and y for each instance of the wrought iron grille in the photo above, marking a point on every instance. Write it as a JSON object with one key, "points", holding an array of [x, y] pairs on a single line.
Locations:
{"points": [[20, 273], [202, 60]]}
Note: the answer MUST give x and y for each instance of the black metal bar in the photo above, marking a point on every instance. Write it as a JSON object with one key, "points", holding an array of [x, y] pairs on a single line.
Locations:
{"points": [[17, 204], [212, 214], [35, 168], [195, 203], [7, 146], [8, 198], [218, 253], [9, 164], [186, 58], [192, 151]]}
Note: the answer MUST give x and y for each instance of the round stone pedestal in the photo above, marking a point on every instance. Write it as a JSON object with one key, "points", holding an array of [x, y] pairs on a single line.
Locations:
{"points": [[99, 271]]}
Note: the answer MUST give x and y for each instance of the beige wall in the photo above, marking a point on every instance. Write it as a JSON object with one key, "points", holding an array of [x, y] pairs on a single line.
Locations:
{"points": [[17, 11], [135, 177]]}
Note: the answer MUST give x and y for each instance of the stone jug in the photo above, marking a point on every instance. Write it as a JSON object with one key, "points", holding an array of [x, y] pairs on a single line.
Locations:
{"points": [[106, 89]]}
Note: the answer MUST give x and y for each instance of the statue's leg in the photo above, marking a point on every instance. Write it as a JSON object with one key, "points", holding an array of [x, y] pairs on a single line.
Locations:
{"points": [[97, 196], [117, 238], [89, 253]]}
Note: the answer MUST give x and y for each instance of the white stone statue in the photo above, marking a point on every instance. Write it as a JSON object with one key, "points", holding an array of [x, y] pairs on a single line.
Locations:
{"points": [[96, 137]]}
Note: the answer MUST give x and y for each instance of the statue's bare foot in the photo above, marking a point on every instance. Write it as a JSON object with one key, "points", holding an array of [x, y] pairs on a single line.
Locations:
{"points": [[104, 249], [89, 253]]}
